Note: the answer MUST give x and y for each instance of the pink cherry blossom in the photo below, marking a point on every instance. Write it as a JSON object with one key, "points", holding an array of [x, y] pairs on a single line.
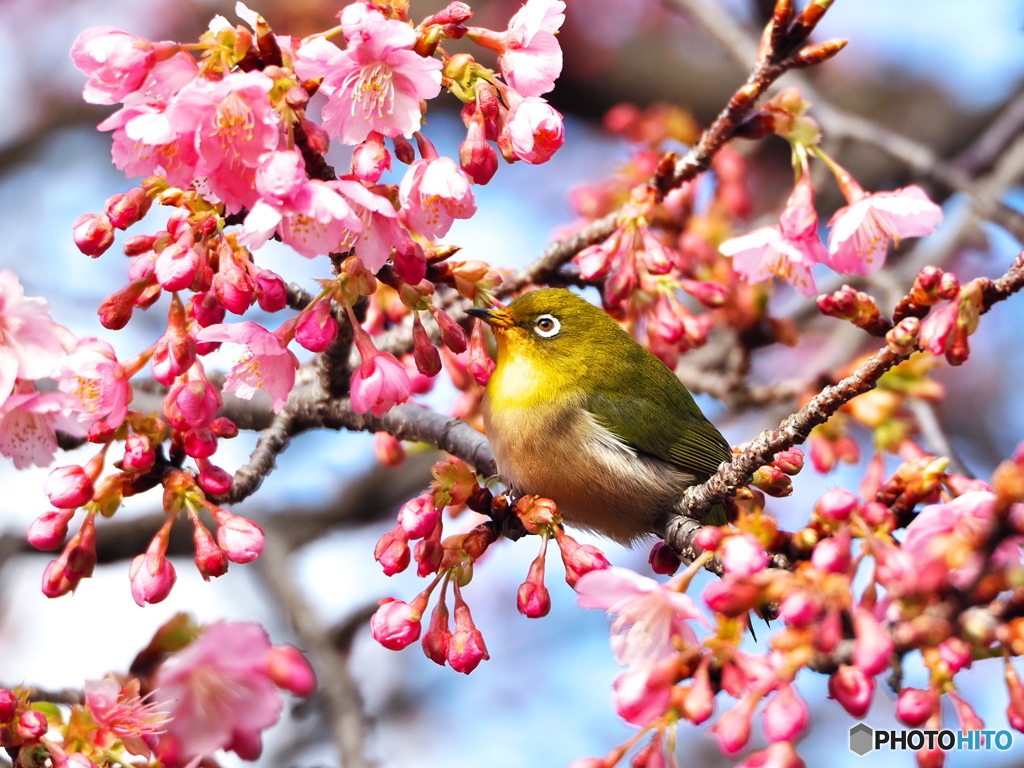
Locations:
{"points": [[121, 713], [96, 383], [375, 84], [788, 249], [380, 383], [267, 364], [530, 57], [234, 125], [30, 347], [117, 63], [650, 618], [29, 422], [380, 229], [862, 231], [535, 129], [309, 215], [219, 691], [434, 192]]}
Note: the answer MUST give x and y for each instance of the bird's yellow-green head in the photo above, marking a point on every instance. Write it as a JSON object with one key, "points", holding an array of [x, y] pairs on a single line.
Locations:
{"points": [[552, 343]]}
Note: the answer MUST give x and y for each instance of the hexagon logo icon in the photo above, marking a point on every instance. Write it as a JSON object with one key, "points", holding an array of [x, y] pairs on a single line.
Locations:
{"points": [[862, 739]]}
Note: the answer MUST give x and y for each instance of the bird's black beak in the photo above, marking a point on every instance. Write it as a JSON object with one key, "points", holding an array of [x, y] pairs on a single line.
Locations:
{"points": [[496, 318]]}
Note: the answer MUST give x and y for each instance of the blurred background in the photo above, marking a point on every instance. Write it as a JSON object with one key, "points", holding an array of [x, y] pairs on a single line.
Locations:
{"points": [[945, 73]]}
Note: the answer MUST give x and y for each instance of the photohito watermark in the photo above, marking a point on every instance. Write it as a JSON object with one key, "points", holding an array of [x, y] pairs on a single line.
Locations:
{"points": [[864, 739]]}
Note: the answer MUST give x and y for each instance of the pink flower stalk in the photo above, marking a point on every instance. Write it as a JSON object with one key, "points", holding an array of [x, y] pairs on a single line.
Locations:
{"points": [[743, 555], [121, 713], [732, 729], [788, 249], [309, 215], [396, 624], [152, 574], [644, 693], [234, 125], [535, 130], [466, 647], [29, 422], [433, 193], [530, 58], [785, 715], [220, 692], [267, 364], [862, 231], [96, 383], [30, 346], [381, 381], [650, 619], [68, 487], [853, 689], [116, 63], [375, 84]]}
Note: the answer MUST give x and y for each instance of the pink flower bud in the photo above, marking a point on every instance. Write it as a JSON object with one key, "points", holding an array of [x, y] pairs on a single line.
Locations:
{"points": [[731, 597], [93, 234], [418, 517], [32, 725], [8, 705], [198, 402], [429, 553], [410, 263], [781, 754], [199, 443], [853, 689], [873, 647], [47, 532], [210, 558], [733, 728], [271, 292], [915, 706], [388, 449], [290, 670], [125, 209], [800, 608], [395, 624], [68, 487], [876, 514], [452, 334], [240, 538], [481, 366], [317, 327], [533, 599], [207, 309], [224, 428], [80, 553], [392, 551], [743, 555], [832, 555], [438, 636], [577, 558], [663, 560], [152, 577], [370, 159], [55, 581], [176, 266], [535, 130], [837, 504], [708, 538], [708, 293], [139, 454], [234, 288], [476, 157], [212, 479], [174, 354], [466, 647], [643, 693], [785, 715], [699, 702], [956, 653]]}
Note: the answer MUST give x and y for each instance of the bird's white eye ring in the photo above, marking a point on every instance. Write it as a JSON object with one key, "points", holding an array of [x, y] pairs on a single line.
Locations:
{"points": [[547, 326]]}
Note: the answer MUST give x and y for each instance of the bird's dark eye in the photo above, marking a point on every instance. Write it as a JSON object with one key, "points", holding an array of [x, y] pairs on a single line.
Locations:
{"points": [[547, 326]]}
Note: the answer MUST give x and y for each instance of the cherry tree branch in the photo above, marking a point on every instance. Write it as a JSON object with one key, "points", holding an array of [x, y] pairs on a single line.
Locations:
{"points": [[737, 473]]}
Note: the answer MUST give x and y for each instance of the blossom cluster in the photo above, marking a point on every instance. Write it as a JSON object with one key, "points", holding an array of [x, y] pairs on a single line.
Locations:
{"points": [[193, 692], [230, 136]]}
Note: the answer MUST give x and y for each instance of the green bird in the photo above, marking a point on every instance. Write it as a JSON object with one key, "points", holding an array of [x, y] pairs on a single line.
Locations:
{"points": [[578, 412]]}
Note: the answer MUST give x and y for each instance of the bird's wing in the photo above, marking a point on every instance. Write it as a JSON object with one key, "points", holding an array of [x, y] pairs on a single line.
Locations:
{"points": [[675, 432]]}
